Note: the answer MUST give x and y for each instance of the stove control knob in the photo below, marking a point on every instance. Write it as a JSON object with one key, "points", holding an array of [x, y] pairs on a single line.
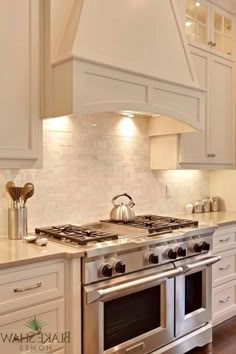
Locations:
{"points": [[106, 270], [120, 267], [153, 258], [206, 246], [181, 252], [171, 254], [197, 248]]}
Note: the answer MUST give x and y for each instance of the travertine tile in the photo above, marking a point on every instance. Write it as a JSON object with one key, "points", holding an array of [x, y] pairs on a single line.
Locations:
{"points": [[87, 160]]}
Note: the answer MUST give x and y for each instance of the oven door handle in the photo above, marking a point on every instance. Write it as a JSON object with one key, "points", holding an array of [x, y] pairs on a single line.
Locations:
{"points": [[117, 290], [205, 262]]}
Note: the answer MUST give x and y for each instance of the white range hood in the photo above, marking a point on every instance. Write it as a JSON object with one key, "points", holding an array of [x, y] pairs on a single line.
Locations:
{"points": [[115, 55]]}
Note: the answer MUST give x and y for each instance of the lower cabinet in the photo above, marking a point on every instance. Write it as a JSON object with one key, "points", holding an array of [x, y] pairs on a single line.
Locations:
{"points": [[224, 274], [36, 329], [224, 302]]}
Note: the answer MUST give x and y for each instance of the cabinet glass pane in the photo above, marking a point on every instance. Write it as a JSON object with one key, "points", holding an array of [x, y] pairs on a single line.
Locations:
{"points": [[190, 29], [218, 22], [228, 46], [201, 35], [201, 14], [219, 41], [190, 8], [228, 29]]}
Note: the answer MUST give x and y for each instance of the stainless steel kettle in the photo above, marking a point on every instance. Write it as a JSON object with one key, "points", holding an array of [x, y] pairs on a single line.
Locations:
{"points": [[123, 212]]}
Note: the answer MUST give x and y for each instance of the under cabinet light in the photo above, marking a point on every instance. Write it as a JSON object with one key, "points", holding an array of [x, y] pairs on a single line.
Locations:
{"points": [[197, 3], [188, 23]]}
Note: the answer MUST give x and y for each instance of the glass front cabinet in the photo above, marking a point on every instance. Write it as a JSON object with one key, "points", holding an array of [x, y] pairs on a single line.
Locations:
{"points": [[209, 27]]}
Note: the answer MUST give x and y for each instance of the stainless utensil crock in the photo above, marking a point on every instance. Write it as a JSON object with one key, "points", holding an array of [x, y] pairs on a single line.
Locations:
{"points": [[17, 223]]}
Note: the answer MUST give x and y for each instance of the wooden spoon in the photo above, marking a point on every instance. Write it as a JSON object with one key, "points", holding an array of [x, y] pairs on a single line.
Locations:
{"points": [[28, 192], [9, 185]]}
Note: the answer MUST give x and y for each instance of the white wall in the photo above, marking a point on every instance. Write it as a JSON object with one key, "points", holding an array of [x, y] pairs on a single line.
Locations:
{"points": [[222, 183], [87, 161]]}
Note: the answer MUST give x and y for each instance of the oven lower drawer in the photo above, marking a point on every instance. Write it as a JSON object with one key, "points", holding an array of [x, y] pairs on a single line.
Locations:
{"points": [[138, 321]]}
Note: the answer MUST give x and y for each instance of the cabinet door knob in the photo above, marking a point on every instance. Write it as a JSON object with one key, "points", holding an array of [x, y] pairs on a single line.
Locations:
{"points": [[210, 43], [214, 44]]}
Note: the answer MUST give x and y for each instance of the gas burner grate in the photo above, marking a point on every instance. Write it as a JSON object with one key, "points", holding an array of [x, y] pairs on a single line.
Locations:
{"points": [[154, 223], [76, 234]]}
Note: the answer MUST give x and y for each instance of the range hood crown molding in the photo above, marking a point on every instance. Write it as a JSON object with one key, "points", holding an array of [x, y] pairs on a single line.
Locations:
{"points": [[109, 56]]}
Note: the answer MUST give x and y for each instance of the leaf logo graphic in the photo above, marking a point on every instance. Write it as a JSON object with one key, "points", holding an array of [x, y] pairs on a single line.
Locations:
{"points": [[35, 324]]}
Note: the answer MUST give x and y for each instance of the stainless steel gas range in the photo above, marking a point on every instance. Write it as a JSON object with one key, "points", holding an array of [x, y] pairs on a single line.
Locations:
{"points": [[146, 285]]}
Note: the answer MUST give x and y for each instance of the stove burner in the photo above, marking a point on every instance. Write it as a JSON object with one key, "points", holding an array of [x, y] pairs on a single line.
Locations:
{"points": [[76, 234], [154, 223]]}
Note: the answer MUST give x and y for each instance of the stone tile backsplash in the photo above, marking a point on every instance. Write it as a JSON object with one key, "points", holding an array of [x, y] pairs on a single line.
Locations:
{"points": [[88, 160]]}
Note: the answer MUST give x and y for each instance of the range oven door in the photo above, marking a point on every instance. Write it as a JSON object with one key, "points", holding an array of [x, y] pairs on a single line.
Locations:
{"points": [[129, 314], [193, 301]]}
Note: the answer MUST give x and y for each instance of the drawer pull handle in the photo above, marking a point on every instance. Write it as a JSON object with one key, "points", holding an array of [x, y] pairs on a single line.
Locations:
{"points": [[21, 290], [225, 240], [28, 336], [225, 300], [225, 268]]}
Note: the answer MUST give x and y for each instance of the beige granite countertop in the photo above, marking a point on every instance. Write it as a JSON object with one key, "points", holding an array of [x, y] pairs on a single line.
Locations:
{"points": [[220, 218], [16, 253]]}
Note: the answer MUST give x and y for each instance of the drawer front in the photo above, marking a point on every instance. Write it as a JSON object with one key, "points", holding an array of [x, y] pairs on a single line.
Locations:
{"points": [[50, 315], [224, 301], [225, 270], [26, 286], [224, 241]]}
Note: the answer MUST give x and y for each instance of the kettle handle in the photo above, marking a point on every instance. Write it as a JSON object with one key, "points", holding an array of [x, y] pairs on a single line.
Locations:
{"points": [[130, 204]]}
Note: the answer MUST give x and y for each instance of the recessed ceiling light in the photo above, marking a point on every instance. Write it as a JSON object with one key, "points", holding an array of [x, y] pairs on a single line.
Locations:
{"points": [[197, 3], [188, 23]]}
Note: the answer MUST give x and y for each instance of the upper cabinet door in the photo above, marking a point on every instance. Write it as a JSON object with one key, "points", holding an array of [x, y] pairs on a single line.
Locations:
{"points": [[19, 84], [194, 147], [210, 28], [197, 23], [222, 97], [223, 29]]}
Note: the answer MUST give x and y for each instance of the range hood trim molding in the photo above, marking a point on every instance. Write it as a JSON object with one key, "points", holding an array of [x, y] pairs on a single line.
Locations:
{"points": [[128, 71], [86, 88]]}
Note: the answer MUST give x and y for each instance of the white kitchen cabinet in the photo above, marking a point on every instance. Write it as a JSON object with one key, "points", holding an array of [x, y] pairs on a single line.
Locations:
{"points": [[224, 274], [27, 286], [15, 325], [49, 290], [214, 147], [20, 42], [32, 291], [210, 28]]}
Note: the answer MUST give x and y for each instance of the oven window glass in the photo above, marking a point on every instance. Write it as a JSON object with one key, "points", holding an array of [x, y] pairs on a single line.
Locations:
{"points": [[193, 292], [130, 316]]}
